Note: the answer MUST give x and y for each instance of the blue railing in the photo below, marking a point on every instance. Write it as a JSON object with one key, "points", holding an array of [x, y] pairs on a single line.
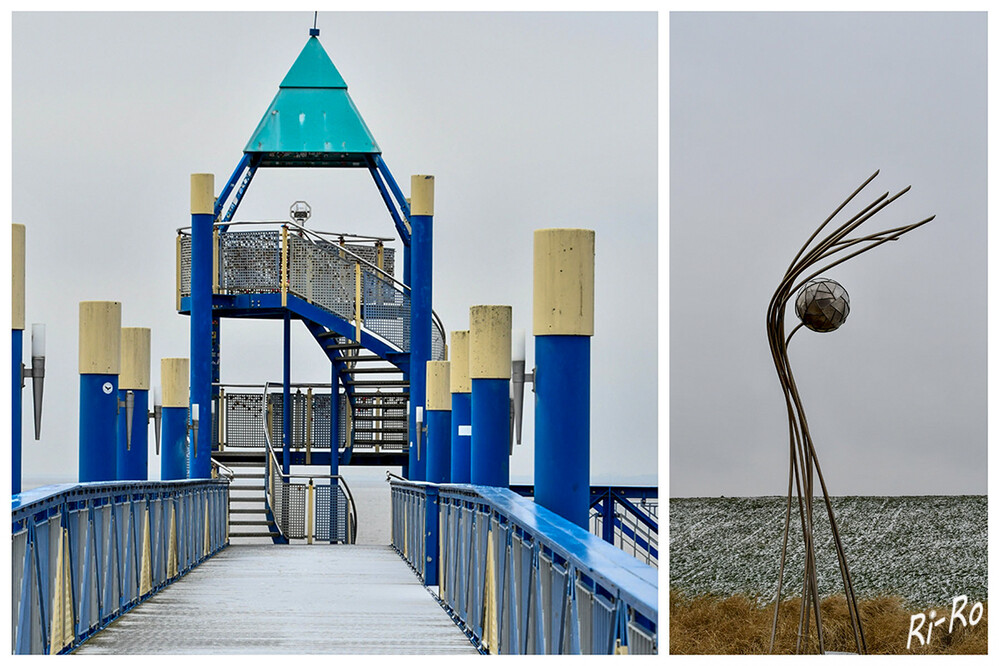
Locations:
{"points": [[84, 554], [518, 578]]}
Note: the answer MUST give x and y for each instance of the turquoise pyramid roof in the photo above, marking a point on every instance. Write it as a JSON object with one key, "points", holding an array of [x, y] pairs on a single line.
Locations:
{"points": [[312, 121]]}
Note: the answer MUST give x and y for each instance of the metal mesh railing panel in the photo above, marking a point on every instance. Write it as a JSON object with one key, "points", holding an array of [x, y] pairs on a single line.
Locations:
{"points": [[185, 265], [244, 422], [384, 309], [370, 254], [323, 275], [437, 352], [294, 518], [250, 262]]}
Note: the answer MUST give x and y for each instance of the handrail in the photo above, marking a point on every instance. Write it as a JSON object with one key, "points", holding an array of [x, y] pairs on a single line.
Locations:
{"points": [[224, 471], [341, 481]]}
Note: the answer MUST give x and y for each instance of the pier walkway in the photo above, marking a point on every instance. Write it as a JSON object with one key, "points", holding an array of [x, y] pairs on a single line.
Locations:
{"points": [[289, 600]]}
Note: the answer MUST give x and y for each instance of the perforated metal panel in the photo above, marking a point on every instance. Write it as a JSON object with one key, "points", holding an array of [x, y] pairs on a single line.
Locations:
{"points": [[437, 351], [244, 422], [185, 265], [250, 262]]}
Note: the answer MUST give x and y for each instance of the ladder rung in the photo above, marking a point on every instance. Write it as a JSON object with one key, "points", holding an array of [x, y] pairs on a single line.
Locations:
{"points": [[248, 476], [367, 358], [385, 370], [246, 523], [244, 535], [344, 346], [250, 511]]}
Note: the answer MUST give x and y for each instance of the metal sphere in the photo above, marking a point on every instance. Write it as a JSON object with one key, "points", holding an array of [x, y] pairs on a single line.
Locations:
{"points": [[822, 305]]}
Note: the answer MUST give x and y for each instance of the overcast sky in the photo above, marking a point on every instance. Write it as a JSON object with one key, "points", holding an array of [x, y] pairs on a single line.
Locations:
{"points": [[526, 120], [774, 120]]}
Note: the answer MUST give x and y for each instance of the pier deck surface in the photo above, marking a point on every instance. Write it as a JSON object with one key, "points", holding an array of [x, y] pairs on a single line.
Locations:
{"points": [[290, 600]]}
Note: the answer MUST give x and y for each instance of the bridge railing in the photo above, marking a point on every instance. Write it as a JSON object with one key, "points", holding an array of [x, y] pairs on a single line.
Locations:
{"points": [[340, 278], [520, 579], [626, 516], [84, 554]]}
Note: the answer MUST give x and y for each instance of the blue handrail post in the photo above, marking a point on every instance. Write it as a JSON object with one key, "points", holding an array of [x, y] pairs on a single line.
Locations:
{"points": [[16, 352], [439, 421], [431, 543], [133, 453], [202, 241], [174, 376], [489, 353], [563, 324], [100, 363], [421, 307], [461, 410], [286, 398]]}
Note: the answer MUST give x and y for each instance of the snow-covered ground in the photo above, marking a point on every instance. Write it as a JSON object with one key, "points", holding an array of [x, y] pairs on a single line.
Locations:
{"points": [[926, 549]]}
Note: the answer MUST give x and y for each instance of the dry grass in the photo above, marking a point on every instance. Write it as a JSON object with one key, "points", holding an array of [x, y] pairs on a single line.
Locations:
{"points": [[737, 625]]}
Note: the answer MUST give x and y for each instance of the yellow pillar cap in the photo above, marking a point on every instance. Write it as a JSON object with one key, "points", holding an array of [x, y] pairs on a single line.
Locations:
{"points": [[422, 190], [135, 344], [100, 337], [489, 349], [17, 276], [460, 381], [174, 378], [202, 194], [563, 281], [439, 385]]}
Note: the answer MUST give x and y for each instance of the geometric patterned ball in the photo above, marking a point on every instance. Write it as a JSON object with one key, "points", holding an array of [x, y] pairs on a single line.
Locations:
{"points": [[822, 305]]}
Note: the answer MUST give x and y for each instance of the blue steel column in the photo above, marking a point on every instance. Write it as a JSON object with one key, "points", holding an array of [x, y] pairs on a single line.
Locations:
{"points": [[174, 376], [489, 368], [438, 421], [286, 397], [133, 461], [461, 410], [16, 352], [421, 307], [431, 538], [202, 219], [16, 336], [100, 361], [563, 324], [334, 446]]}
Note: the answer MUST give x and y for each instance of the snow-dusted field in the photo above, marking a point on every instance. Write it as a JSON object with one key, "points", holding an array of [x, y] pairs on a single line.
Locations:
{"points": [[925, 549]]}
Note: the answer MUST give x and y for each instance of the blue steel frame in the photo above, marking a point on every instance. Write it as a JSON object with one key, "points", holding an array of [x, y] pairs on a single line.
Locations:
{"points": [[518, 578], [84, 554]]}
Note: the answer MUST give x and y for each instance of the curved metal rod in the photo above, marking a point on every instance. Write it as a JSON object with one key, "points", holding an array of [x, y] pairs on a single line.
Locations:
{"points": [[804, 463]]}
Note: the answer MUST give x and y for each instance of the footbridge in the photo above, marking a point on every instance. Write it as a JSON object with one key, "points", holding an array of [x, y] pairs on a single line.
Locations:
{"points": [[247, 541]]}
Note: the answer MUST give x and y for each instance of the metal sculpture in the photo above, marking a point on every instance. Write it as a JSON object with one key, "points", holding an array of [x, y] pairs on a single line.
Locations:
{"points": [[822, 305]]}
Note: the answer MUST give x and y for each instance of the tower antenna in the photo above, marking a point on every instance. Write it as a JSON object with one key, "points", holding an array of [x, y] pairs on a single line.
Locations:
{"points": [[314, 31]]}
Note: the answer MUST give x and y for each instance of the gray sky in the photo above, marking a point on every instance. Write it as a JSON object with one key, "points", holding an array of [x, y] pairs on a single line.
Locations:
{"points": [[774, 120], [526, 120]]}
